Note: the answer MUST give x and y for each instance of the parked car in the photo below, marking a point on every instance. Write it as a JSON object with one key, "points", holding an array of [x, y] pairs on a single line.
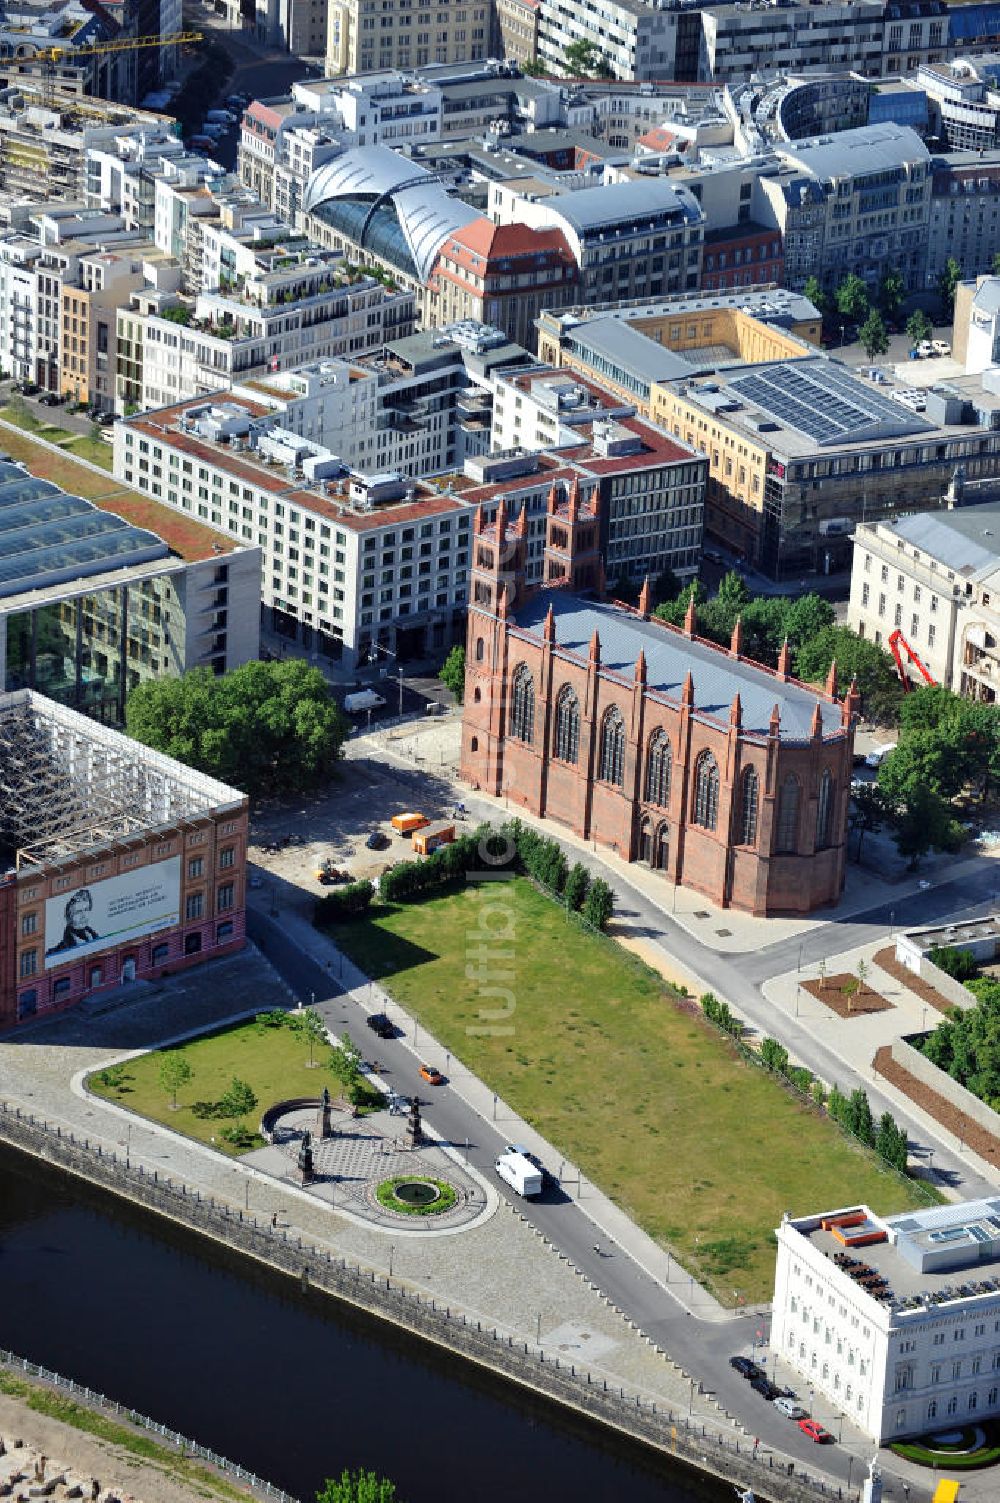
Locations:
{"points": [[50, 399], [377, 841], [763, 1385], [381, 1025], [940, 347], [815, 1432], [431, 1075], [27, 388], [107, 419], [925, 349], [791, 1408], [744, 1367]]}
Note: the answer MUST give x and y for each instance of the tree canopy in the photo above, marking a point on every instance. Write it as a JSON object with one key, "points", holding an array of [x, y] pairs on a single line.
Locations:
{"points": [[852, 298], [891, 291], [919, 326], [266, 727], [947, 282], [452, 672], [967, 1044], [873, 335]]}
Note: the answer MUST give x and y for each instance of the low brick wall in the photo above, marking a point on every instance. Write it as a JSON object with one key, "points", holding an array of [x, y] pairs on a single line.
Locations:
{"points": [[562, 1383], [941, 1082]]}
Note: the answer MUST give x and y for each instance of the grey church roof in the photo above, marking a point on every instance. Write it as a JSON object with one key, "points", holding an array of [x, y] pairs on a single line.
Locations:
{"points": [[669, 657]]}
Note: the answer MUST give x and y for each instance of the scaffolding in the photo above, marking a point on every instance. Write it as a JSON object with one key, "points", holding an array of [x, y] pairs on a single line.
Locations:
{"points": [[69, 785]]}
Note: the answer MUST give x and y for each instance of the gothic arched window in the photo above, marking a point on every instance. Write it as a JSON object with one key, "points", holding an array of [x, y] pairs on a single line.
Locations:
{"points": [[706, 791], [788, 815], [824, 809], [522, 705], [748, 808], [612, 763], [566, 747], [658, 766]]}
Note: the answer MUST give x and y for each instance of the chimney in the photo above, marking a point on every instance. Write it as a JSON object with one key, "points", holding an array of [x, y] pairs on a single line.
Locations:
{"points": [[736, 713], [640, 667], [595, 648], [549, 629], [687, 697], [690, 618], [774, 727], [736, 641], [816, 730]]}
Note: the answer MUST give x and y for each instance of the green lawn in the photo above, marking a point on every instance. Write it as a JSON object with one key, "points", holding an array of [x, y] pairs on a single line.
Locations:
{"points": [[702, 1150], [274, 1062], [86, 445]]}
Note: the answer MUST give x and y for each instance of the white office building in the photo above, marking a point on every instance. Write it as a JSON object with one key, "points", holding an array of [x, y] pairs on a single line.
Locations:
{"points": [[895, 1320]]}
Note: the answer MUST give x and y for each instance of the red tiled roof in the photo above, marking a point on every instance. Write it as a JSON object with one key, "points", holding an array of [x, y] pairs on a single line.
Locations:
{"points": [[482, 244], [660, 138], [389, 515]]}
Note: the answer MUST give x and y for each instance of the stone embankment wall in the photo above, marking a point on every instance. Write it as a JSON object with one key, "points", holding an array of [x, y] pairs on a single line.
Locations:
{"points": [[559, 1381]]}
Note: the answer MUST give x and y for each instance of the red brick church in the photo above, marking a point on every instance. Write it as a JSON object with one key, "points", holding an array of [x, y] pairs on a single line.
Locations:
{"points": [[729, 777]]}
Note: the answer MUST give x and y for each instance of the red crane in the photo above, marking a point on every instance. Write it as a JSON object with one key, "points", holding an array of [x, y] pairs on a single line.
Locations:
{"points": [[897, 640]]}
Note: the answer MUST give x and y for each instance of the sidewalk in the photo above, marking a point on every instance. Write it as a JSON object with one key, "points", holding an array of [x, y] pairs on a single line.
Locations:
{"points": [[856, 1040]]}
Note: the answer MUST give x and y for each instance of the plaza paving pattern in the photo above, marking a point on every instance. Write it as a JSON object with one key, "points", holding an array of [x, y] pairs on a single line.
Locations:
{"points": [[350, 1165]]}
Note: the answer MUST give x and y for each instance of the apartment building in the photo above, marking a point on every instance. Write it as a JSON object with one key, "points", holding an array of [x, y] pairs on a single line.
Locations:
{"points": [[517, 24], [367, 34], [636, 40], [893, 1319], [936, 579], [964, 101], [419, 406], [350, 562], [964, 216], [170, 349], [89, 335], [857, 202]]}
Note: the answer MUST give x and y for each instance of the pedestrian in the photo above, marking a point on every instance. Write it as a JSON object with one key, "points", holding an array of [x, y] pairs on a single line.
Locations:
{"points": [[597, 1248], [756, 1445], [274, 1220]]}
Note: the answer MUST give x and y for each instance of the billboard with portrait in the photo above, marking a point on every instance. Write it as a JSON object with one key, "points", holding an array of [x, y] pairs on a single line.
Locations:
{"points": [[87, 919]]}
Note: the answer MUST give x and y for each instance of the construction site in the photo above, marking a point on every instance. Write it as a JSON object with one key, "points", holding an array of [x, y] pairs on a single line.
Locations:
{"points": [[117, 864]]}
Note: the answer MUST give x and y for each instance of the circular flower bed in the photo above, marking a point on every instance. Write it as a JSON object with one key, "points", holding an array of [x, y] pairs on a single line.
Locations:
{"points": [[421, 1195], [968, 1446]]}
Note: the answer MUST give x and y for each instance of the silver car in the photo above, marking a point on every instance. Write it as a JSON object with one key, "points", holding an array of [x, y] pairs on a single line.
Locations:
{"points": [[791, 1408]]}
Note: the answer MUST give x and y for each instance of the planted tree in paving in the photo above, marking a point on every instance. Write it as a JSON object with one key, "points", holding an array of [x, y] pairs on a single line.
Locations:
{"points": [[874, 335], [452, 672]]}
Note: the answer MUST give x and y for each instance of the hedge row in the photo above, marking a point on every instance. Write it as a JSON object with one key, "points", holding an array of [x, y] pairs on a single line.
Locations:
{"points": [[852, 1113], [489, 848], [343, 903]]}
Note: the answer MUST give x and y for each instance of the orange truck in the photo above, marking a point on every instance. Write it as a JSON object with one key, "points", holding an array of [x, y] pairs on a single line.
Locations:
{"points": [[431, 836], [407, 823]]}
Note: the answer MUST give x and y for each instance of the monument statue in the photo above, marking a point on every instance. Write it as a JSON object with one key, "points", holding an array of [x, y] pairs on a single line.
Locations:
{"points": [[325, 1129], [306, 1158], [414, 1127]]}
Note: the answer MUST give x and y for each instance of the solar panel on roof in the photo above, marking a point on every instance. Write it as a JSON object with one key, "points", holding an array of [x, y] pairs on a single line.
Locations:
{"points": [[820, 401]]}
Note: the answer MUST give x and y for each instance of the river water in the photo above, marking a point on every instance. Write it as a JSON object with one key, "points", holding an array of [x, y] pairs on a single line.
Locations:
{"points": [[293, 1386]]}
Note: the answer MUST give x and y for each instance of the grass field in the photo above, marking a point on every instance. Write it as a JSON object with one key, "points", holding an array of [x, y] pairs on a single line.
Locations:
{"points": [[274, 1062], [704, 1151]]}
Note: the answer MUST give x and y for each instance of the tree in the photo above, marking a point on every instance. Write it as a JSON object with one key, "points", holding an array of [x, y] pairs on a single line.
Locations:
{"points": [[891, 291], [266, 727], [821, 968], [947, 282], [314, 1030], [919, 327], [357, 1487], [813, 290], [890, 1142], [856, 658], [774, 1056], [666, 586], [577, 886], [239, 1099], [852, 298], [859, 1117], [533, 68], [452, 672], [584, 59], [924, 822], [861, 971], [850, 990], [345, 1062], [873, 335], [870, 811], [599, 904], [175, 1072]]}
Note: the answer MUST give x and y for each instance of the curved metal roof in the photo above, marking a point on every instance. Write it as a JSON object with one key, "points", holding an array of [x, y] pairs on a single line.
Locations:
{"points": [[426, 214]]}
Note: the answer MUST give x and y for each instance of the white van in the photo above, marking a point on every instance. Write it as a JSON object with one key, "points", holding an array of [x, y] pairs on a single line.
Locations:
{"points": [[520, 1173]]}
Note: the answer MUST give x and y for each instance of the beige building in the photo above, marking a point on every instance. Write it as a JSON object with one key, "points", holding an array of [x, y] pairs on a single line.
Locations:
{"points": [[89, 315], [366, 34], [936, 579], [518, 24]]}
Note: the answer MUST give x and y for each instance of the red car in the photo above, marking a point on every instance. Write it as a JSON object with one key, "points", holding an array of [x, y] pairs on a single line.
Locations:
{"points": [[815, 1432]]}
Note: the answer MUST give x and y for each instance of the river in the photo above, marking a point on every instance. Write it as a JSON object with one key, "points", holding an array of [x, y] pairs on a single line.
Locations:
{"points": [[293, 1386]]}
